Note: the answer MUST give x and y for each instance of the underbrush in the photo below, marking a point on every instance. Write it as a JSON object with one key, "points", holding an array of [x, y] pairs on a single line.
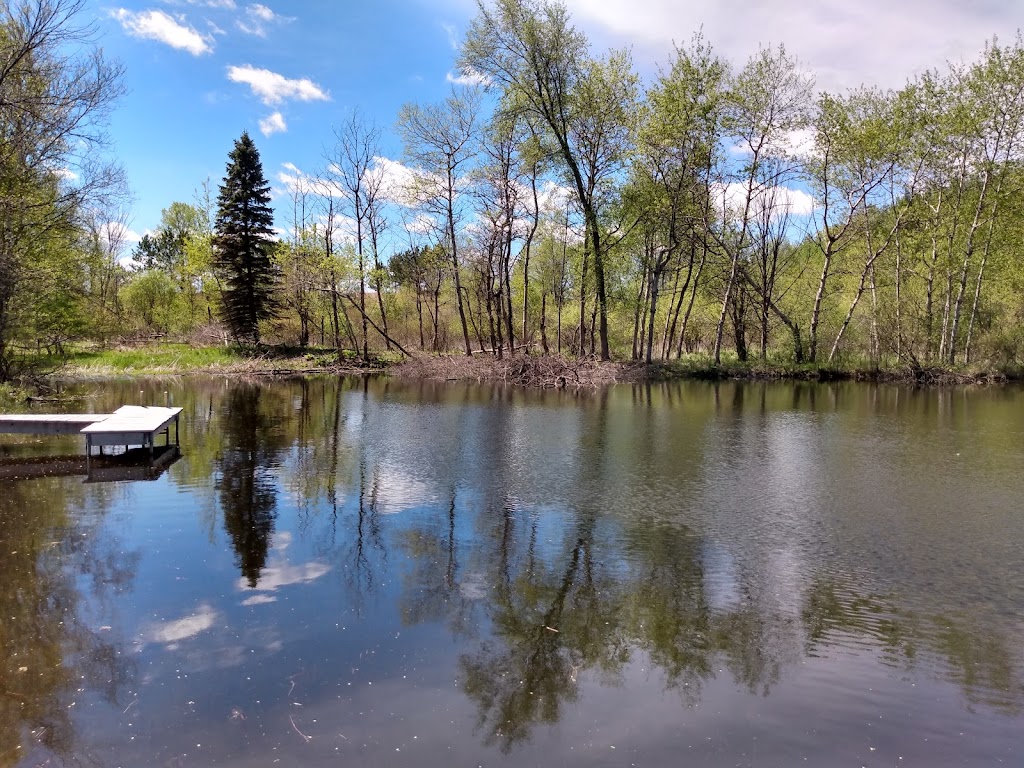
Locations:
{"points": [[544, 371]]}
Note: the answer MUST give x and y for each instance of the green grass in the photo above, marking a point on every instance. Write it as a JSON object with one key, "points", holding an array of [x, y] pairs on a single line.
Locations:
{"points": [[165, 358], [171, 358], [12, 395], [178, 359], [704, 367]]}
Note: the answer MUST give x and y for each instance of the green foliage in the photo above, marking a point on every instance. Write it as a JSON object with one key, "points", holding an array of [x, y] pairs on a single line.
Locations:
{"points": [[56, 89], [243, 244], [724, 212], [151, 298]]}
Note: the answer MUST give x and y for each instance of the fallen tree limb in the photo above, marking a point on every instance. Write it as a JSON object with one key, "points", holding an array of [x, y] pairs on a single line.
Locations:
{"points": [[375, 327]]}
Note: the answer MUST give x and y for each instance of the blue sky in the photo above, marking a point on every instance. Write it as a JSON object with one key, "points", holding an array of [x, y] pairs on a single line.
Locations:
{"points": [[199, 72]]}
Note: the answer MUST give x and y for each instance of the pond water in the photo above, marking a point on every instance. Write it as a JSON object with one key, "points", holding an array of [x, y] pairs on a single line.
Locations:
{"points": [[377, 572]]}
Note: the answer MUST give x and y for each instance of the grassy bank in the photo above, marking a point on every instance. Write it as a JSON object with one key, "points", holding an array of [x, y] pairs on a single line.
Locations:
{"points": [[546, 371], [181, 359], [705, 368], [557, 372]]}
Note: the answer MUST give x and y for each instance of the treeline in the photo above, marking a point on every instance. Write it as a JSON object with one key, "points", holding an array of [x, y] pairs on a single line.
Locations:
{"points": [[559, 204]]}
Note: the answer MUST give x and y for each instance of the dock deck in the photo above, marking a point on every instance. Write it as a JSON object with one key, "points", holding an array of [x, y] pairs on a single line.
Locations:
{"points": [[129, 425], [48, 424]]}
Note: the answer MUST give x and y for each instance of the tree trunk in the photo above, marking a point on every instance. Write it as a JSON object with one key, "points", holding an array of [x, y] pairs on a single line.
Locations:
{"points": [[544, 322], [819, 298], [693, 299], [652, 312], [720, 329], [637, 314]]}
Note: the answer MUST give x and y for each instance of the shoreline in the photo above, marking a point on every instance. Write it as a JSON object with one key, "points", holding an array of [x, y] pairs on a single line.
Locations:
{"points": [[532, 371]]}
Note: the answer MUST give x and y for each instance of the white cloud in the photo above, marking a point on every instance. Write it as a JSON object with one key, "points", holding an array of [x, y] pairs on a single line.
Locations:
{"points": [[295, 179], [228, 5], [273, 124], [552, 197], [420, 224], [469, 77], [274, 577], [799, 144], [117, 235], [877, 42], [175, 631], [157, 25], [452, 35], [260, 12], [782, 200], [798, 202], [257, 17], [273, 88], [398, 182], [225, 4], [259, 600]]}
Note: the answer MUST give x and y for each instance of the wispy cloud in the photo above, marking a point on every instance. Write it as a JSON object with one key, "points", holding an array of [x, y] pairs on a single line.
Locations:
{"points": [[257, 18], [468, 77], [273, 124], [173, 632], [273, 88], [157, 25], [452, 35]]}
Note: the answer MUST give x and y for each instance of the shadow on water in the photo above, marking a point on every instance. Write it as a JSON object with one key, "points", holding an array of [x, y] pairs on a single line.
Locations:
{"points": [[134, 465]]}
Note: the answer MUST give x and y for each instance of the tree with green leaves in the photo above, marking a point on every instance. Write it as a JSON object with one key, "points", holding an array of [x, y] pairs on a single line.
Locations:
{"points": [[56, 91], [679, 138], [244, 244], [768, 101], [530, 49], [442, 141]]}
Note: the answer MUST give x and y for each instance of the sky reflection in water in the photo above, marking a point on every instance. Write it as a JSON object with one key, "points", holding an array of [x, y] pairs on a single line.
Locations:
{"points": [[395, 573]]}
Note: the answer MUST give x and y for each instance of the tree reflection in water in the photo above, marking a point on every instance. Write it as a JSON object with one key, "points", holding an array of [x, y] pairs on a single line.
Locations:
{"points": [[58, 568], [245, 476], [602, 591], [560, 545]]}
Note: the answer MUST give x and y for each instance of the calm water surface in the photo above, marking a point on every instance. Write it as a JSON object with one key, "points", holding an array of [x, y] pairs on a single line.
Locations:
{"points": [[387, 573]]}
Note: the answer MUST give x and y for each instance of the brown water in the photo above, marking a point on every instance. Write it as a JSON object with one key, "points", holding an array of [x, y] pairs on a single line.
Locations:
{"points": [[385, 573]]}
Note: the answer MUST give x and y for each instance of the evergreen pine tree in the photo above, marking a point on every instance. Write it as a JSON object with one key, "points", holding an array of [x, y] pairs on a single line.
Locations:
{"points": [[243, 244]]}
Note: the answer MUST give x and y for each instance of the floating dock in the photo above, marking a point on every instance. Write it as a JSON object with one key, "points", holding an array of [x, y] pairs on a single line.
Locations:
{"points": [[129, 425]]}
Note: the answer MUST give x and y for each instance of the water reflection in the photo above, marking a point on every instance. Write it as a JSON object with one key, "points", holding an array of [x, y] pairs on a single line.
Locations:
{"points": [[414, 558], [54, 565], [245, 476]]}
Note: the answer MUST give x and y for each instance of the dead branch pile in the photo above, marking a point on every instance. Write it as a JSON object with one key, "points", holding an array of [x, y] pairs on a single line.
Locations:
{"points": [[546, 371]]}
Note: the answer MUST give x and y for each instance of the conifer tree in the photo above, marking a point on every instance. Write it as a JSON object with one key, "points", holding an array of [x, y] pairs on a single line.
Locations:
{"points": [[243, 242]]}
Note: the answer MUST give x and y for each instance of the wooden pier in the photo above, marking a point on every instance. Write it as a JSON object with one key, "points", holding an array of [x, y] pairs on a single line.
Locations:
{"points": [[129, 425]]}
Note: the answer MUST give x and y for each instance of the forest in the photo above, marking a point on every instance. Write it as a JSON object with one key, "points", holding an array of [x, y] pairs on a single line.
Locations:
{"points": [[554, 203]]}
